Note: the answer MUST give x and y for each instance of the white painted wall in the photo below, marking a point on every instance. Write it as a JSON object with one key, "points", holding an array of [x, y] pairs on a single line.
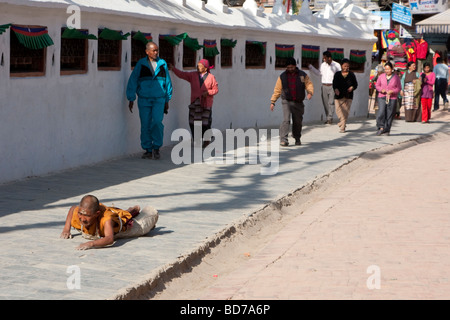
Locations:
{"points": [[52, 123]]}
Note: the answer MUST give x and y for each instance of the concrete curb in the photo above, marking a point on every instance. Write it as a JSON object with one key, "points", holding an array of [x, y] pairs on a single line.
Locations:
{"points": [[158, 278]]}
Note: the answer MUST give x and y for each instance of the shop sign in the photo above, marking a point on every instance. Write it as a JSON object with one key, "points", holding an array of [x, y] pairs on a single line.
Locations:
{"points": [[401, 14]]}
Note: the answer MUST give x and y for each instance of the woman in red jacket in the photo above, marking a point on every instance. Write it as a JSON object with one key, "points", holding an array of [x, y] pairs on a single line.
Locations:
{"points": [[203, 88]]}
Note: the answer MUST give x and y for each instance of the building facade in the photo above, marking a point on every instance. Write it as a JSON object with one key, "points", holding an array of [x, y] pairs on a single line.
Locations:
{"points": [[63, 102]]}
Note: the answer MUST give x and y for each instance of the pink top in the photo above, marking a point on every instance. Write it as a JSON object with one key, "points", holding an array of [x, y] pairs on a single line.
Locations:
{"points": [[427, 85], [394, 85], [210, 85]]}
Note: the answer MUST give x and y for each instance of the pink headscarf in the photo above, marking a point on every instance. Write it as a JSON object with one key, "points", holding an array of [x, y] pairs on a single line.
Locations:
{"points": [[205, 63]]}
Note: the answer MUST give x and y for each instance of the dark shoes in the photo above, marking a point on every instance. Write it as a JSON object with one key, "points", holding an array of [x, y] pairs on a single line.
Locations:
{"points": [[328, 122], [151, 154], [156, 154], [381, 131], [286, 144], [147, 155]]}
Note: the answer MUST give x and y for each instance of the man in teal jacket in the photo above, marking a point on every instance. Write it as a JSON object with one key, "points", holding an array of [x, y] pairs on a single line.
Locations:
{"points": [[150, 80]]}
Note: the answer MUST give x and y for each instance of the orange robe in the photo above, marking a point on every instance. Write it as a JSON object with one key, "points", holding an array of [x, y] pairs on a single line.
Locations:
{"points": [[118, 216]]}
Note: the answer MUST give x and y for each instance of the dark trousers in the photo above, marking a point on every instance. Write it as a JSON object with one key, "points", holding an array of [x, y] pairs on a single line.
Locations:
{"points": [[440, 89], [386, 113], [296, 109]]}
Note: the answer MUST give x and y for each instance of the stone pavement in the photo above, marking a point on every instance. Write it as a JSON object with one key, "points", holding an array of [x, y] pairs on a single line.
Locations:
{"points": [[196, 202], [381, 233]]}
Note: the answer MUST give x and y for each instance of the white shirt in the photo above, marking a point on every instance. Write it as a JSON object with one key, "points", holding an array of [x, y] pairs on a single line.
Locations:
{"points": [[327, 71]]}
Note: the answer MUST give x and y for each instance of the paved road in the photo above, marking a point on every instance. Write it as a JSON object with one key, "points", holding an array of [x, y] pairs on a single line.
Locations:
{"points": [[196, 203], [382, 232]]}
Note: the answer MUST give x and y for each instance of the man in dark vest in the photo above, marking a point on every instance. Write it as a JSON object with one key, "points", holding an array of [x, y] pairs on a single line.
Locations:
{"points": [[291, 86]]}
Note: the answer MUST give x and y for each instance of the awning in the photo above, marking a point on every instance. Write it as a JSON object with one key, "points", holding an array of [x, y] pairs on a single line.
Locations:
{"points": [[32, 38], [439, 23]]}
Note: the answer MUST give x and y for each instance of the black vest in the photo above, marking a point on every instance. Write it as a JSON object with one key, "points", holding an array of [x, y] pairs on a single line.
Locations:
{"points": [[299, 86]]}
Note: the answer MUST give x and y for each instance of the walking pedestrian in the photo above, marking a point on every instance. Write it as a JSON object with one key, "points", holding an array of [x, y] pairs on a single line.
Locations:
{"points": [[411, 88], [150, 80], [344, 84], [203, 89], [428, 79], [291, 86], [327, 70], [441, 84], [388, 86]]}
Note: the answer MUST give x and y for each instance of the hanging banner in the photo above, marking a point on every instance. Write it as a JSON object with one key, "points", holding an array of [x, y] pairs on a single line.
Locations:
{"points": [[336, 53], [210, 47], [109, 34], [228, 43], [401, 14], [3, 27], [427, 6], [262, 45], [284, 51], [310, 51], [70, 33], [143, 37], [358, 56], [174, 39], [32, 38]]}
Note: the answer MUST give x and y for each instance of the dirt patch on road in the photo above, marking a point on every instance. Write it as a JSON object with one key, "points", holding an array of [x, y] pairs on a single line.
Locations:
{"points": [[223, 253]]}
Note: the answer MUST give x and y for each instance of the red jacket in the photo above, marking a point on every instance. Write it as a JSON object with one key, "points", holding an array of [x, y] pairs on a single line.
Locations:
{"points": [[210, 85], [421, 49]]}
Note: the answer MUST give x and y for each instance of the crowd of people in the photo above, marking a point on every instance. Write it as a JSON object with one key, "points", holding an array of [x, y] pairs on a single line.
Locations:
{"points": [[151, 82], [414, 91]]}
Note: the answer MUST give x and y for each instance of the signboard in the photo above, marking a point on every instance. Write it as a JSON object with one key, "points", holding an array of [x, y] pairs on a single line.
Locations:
{"points": [[427, 6], [401, 14], [385, 20]]}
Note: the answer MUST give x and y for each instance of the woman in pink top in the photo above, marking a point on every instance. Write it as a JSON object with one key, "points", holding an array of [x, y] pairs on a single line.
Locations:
{"points": [[203, 88], [388, 86], [428, 78]]}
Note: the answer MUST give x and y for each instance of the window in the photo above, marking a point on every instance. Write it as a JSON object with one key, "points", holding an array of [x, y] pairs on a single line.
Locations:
{"points": [[190, 47], [166, 51], [210, 51], [226, 52], [109, 55], [138, 45], [189, 57], [357, 60], [74, 51], [28, 50], [255, 55], [310, 55], [282, 52]]}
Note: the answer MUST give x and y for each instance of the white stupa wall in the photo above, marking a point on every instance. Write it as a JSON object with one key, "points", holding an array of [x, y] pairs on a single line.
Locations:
{"points": [[53, 122]]}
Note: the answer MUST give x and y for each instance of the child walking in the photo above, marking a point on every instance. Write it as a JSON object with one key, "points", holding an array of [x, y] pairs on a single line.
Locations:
{"points": [[428, 78]]}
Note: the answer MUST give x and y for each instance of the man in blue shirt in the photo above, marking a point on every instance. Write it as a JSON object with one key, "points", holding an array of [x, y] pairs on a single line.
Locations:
{"points": [[150, 81], [441, 84]]}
